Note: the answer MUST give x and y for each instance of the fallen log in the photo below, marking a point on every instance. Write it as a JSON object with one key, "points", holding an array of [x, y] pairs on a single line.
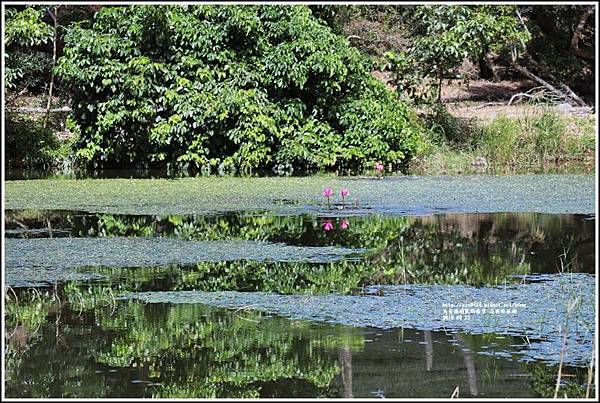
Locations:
{"points": [[565, 93]]}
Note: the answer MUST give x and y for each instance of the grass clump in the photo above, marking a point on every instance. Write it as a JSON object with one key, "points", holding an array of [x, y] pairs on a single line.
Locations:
{"points": [[540, 141]]}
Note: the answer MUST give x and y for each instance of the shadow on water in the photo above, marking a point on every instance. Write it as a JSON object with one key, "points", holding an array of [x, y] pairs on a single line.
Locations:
{"points": [[191, 350]]}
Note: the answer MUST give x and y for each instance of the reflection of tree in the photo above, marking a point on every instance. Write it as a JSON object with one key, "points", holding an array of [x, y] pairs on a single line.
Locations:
{"points": [[428, 349], [470, 365], [186, 350], [196, 351], [477, 249], [542, 377], [36, 362], [346, 364]]}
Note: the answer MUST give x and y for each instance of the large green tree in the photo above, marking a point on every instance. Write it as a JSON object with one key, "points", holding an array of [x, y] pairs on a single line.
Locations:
{"points": [[229, 87]]}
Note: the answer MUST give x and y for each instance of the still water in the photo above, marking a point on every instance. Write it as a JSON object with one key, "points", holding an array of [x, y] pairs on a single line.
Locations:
{"points": [[86, 338]]}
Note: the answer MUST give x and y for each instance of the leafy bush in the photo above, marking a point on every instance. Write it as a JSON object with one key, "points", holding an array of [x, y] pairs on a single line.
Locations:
{"points": [[28, 144], [228, 87], [24, 30]]}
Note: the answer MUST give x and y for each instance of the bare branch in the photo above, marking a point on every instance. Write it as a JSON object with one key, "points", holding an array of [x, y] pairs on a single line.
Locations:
{"points": [[565, 93]]}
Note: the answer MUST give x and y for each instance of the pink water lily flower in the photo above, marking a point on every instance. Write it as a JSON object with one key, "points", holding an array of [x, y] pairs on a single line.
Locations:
{"points": [[344, 192], [327, 225], [328, 192], [344, 224]]}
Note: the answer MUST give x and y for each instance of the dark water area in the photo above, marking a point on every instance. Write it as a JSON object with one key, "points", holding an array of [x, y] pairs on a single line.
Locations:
{"points": [[86, 338], [14, 173], [138, 173], [131, 349]]}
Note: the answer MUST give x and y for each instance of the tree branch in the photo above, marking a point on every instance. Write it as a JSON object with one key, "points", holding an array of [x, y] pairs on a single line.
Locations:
{"points": [[568, 91], [577, 35], [49, 104]]}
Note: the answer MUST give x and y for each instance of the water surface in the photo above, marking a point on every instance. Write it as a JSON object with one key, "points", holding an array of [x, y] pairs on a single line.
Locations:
{"points": [[80, 334]]}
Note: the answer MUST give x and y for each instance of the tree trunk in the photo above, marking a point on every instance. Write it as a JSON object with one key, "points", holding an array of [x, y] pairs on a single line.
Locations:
{"points": [[54, 16], [487, 69], [585, 54], [492, 67], [565, 93], [568, 91]]}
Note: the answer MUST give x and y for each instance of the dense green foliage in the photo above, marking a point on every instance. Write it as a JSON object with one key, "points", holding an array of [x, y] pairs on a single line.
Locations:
{"points": [[258, 88], [444, 36], [30, 140], [24, 33], [26, 142], [237, 88]]}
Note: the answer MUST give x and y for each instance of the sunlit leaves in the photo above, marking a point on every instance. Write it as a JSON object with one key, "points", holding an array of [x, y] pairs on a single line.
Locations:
{"points": [[213, 86]]}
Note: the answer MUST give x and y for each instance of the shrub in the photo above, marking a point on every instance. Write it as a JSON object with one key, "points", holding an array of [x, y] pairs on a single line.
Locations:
{"points": [[28, 144], [228, 87]]}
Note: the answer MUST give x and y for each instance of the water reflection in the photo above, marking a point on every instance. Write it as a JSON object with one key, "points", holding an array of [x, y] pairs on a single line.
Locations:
{"points": [[475, 249], [78, 340], [163, 350]]}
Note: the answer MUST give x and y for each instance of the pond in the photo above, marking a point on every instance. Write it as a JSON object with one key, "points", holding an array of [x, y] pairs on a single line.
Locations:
{"points": [[296, 301]]}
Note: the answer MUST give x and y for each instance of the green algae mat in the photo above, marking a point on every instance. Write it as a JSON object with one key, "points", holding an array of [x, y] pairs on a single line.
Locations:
{"points": [[46, 260], [399, 195], [540, 310]]}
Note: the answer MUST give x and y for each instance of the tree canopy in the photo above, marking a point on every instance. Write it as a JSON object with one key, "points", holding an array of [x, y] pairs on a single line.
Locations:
{"points": [[229, 87]]}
